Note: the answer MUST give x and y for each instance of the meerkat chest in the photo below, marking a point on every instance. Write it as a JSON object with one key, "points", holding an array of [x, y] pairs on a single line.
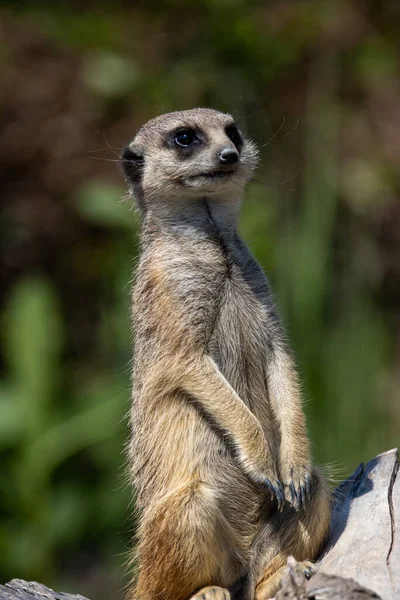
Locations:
{"points": [[241, 324], [223, 294], [239, 341]]}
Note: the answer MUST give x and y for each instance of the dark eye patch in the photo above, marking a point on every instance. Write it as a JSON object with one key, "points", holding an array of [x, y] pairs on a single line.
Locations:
{"points": [[233, 134], [185, 140], [185, 137]]}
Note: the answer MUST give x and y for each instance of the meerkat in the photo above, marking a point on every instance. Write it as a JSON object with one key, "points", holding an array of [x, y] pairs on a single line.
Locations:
{"points": [[219, 454]]}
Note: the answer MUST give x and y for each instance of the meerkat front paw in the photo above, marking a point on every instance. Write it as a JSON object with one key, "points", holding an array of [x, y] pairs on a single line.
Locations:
{"points": [[212, 593], [298, 483], [261, 467], [272, 484], [269, 480]]}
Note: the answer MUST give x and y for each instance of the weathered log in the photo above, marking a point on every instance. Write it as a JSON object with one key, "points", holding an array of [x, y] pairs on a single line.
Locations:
{"points": [[320, 587], [361, 560], [364, 543], [18, 589]]}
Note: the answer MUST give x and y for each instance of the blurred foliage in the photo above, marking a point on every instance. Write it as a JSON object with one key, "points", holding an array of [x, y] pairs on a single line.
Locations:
{"points": [[317, 86]]}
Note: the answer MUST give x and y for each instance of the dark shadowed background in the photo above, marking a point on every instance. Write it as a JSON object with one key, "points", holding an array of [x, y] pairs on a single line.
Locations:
{"points": [[316, 84]]}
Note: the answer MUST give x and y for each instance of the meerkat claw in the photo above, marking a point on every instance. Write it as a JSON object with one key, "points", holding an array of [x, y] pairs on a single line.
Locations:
{"points": [[293, 493], [308, 573], [302, 497], [300, 490], [276, 490], [310, 482], [306, 491]]}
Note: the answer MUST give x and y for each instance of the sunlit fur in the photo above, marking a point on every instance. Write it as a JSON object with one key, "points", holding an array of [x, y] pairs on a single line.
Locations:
{"points": [[217, 410]]}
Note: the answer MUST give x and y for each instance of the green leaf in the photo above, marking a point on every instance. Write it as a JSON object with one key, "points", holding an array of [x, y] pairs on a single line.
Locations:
{"points": [[11, 418], [33, 340], [103, 204]]}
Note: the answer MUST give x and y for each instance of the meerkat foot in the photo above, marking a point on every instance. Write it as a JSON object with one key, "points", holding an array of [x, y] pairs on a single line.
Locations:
{"points": [[267, 587], [212, 593], [309, 569]]}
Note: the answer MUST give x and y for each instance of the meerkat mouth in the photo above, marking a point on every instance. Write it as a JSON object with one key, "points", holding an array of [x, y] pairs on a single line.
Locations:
{"points": [[220, 174]]}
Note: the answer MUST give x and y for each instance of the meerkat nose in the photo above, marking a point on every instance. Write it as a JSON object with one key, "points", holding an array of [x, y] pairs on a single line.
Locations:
{"points": [[228, 156]]}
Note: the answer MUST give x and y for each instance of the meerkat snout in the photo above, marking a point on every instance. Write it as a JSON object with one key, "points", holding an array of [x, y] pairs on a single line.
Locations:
{"points": [[188, 155], [228, 157]]}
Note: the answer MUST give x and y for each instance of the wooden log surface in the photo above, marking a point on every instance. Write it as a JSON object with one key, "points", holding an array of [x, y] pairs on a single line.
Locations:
{"points": [[320, 587], [18, 589], [361, 560], [364, 543]]}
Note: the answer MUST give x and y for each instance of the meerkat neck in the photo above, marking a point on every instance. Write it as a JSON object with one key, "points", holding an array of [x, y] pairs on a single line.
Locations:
{"points": [[200, 214]]}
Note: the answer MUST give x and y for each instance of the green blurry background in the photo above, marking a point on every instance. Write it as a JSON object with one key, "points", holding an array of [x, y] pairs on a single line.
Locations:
{"points": [[316, 84]]}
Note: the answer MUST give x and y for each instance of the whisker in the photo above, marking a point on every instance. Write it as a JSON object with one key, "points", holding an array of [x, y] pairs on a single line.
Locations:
{"points": [[102, 149], [271, 169], [107, 159], [293, 129], [109, 147], [290, 178], [240, 115], [276, 132], [279, 187]]}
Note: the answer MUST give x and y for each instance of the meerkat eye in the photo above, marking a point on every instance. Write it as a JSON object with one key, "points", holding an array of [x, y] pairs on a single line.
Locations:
{"points": [[233, 134], [185, 137]]}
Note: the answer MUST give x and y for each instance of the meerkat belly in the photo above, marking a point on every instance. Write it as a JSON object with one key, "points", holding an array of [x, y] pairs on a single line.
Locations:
{"points": [[174, 447]]}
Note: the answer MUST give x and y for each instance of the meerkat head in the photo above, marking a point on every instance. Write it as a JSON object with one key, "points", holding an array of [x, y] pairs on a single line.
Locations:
{"points": [[186, 155]]}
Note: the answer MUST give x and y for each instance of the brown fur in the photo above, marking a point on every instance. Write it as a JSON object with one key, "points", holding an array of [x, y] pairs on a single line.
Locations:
{"points": [[218, 428]]}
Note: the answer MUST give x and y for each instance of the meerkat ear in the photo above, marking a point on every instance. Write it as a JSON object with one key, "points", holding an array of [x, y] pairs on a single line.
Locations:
{"points": [[132, 163]]}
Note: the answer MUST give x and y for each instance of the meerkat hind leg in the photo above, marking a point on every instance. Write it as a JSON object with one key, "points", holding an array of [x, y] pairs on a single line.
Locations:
{"points": [[212, 593], [184, 540], [269, 585]]}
